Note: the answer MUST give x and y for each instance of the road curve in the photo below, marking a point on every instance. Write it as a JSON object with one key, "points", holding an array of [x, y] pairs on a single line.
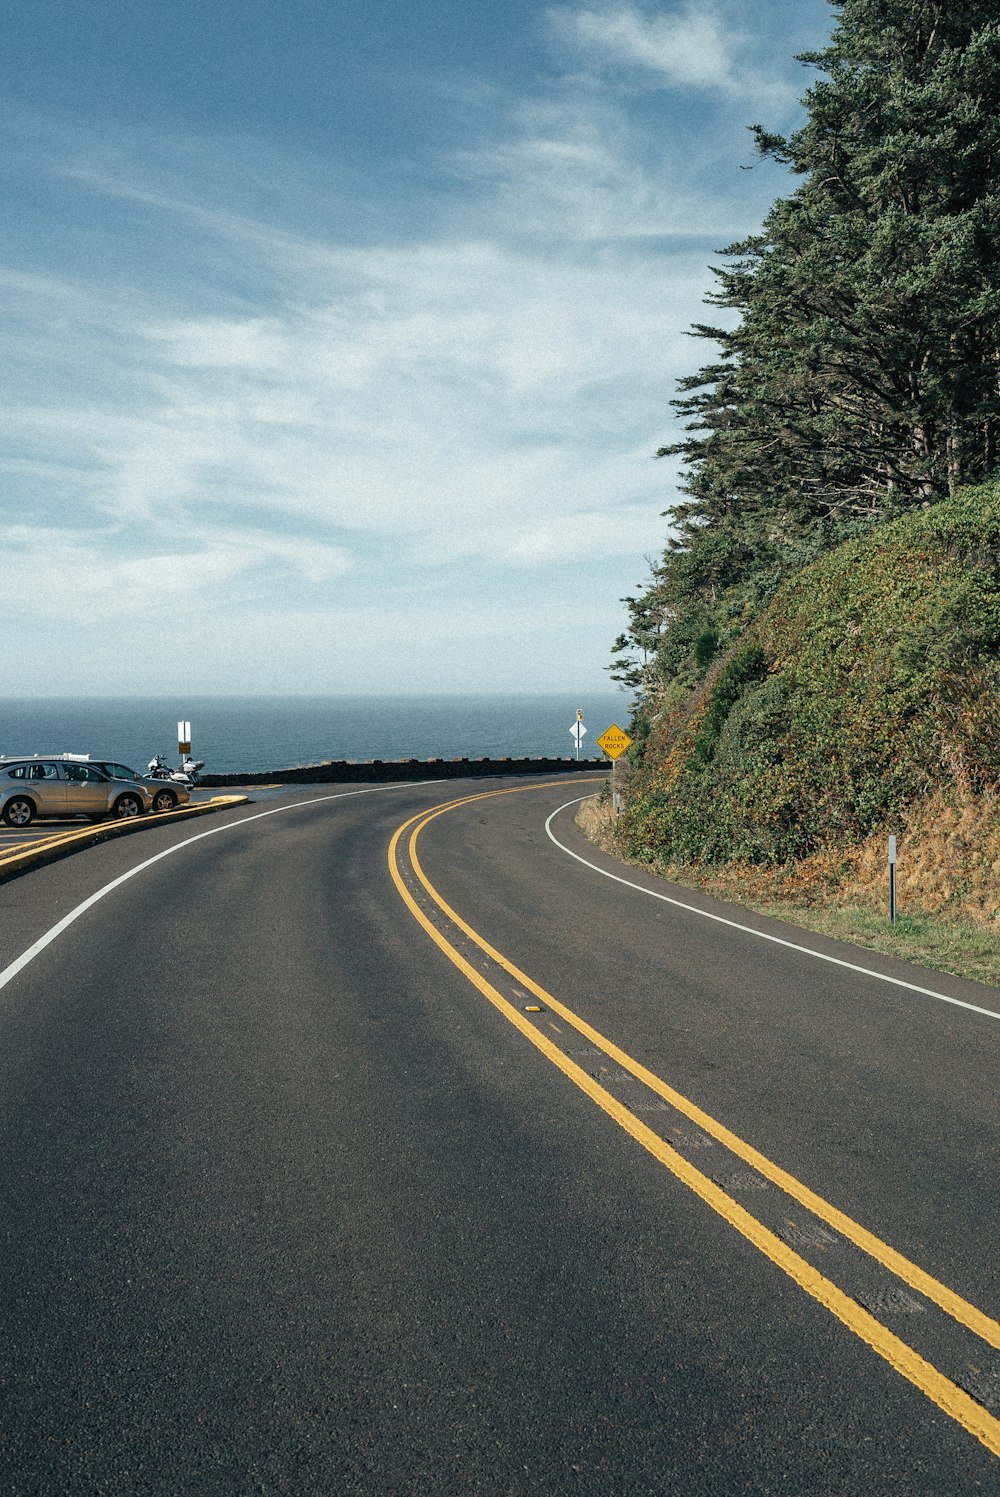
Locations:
{"points": [[345, 1158]]}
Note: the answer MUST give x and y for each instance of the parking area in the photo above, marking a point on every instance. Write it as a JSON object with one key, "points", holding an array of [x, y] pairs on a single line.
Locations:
{"points": [[41, 829], [11, 837], [22, 848]]}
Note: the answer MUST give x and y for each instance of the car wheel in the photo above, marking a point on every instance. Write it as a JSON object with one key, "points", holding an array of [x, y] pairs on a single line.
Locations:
{"points": [[126, 806], [19, 812], [164, 800]]}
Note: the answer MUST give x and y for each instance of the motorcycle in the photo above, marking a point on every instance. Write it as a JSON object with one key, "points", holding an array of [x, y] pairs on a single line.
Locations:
{"points": [[188, 774]]}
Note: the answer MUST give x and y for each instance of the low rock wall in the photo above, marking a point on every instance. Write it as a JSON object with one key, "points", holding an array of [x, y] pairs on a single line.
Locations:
{"points": [[340, 770]]}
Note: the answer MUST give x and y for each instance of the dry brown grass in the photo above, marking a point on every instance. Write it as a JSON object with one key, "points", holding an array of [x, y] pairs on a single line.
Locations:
{"points": [[947, 884], [948, 863]]}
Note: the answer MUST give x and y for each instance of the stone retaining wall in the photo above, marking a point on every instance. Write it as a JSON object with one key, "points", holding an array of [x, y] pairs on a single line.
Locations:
{"points": [[340, 770]]}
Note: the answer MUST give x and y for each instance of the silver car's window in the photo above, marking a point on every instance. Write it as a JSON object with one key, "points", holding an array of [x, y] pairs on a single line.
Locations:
{"points": [[82, 772], [120, 772], [17, 773], [41, 772]]}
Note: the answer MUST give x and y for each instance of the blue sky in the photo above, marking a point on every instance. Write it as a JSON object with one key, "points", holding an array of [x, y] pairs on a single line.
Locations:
{"points": [[338, 337]]}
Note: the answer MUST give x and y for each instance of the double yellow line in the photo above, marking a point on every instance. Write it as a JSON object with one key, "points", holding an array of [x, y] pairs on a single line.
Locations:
{"points": [[948, 1396]]}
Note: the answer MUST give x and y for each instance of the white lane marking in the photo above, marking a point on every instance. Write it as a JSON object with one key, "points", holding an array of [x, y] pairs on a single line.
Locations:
{"points": [[19, 964], [761, 935]]}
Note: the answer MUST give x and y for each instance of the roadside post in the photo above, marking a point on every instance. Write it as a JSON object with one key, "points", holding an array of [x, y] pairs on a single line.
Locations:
{"points": [[183, 738], [892, 880], [614, 741], [577, 731]]}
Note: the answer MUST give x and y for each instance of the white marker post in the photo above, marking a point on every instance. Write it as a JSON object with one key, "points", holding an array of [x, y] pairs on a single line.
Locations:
{"points": [[892, 880], [577, 731], [183, 738]]}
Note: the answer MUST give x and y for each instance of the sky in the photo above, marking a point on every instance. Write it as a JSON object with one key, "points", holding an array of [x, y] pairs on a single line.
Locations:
{"points": [[339, 335]]}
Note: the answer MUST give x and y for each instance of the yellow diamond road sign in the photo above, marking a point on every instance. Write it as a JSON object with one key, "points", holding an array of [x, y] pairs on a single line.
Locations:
{"points": [[614, 741]]}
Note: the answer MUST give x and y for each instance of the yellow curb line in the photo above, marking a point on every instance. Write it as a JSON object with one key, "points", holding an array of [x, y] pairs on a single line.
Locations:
{"points": [[47, 849]]}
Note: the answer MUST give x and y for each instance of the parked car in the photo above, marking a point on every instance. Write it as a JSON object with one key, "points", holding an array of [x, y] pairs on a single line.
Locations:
{"points": [[62, 787], [167, 795]]}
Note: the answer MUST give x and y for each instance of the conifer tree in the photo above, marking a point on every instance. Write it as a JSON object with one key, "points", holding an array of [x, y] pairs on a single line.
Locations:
{"points": [[863, 375]]}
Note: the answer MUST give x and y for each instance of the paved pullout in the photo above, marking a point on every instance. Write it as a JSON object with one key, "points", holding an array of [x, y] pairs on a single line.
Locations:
{"points": [[290, 1206]]}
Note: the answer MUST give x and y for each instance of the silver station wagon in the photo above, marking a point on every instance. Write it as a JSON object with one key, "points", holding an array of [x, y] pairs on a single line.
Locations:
{"points": [[166, 794], [62, 787]]}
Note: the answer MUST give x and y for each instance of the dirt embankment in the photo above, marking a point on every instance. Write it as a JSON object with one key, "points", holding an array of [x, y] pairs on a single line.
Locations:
{"points": [[948, 863]]}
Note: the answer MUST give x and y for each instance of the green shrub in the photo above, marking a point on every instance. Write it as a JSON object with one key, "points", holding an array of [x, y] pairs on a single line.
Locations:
{"points": [[869, 678]]}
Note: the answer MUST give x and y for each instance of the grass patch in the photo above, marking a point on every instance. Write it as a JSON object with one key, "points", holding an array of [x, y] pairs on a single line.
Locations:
{"points": [[958, 946]]}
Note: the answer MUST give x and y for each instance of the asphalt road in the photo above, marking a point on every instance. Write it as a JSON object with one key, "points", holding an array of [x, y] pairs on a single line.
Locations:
{"points": [[466, 1169]]}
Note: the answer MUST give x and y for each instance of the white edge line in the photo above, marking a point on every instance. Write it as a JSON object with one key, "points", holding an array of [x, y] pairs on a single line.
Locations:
{"points": [[761, 935], [19, 964]]}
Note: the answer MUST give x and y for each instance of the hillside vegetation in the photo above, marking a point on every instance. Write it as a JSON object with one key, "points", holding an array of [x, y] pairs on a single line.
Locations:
{"points": [[815, 656], [864, 699]]}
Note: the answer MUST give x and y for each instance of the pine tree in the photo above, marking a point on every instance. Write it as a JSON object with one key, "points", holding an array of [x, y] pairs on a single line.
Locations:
{"points": [[863, 375]]}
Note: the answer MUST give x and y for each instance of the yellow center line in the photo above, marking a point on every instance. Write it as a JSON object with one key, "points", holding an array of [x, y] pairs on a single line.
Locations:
{"points": [[958, 1404]]}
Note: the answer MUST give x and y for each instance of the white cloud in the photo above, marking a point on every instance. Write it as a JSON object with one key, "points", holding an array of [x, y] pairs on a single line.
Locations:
{"points": [[693, 47], [538, 541], [86, 577], [480, 396], [253, 343], [572, 169], [457, 385]]}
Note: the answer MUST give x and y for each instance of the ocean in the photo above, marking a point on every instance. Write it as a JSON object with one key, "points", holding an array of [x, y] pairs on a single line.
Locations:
{"points": [[234, 734]]}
